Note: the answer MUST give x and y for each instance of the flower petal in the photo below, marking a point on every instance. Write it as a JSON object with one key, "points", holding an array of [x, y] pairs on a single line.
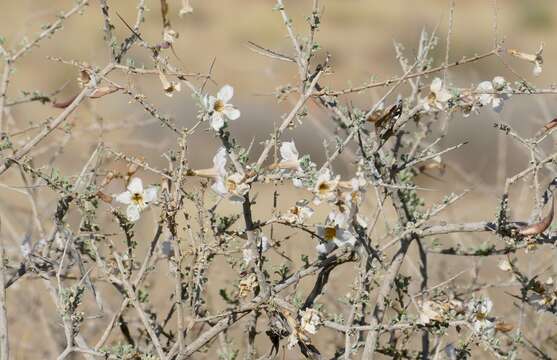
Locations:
{"points": [[231, 112], [325, 248], [497, 104], [124, 198], [150, 194], [436, 85], [217, 122], [219, 187], [132, 213], [135, 186], [225, 93], [219, 162], [288, 151]]}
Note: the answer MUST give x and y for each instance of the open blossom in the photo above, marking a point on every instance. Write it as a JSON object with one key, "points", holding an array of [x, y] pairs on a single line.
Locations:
{"points": [[137, 198], [494, 92], [262, 245], [479, 311], [437, 97], [325, 187], [219, 107], [231, 186], [334, 234]]}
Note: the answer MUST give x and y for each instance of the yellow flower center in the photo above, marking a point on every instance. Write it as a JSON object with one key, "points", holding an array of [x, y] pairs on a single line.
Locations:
{"points": [[219, 106], [137, 198], [330, 233], [294, 210], [323, 187], [231, 185]]}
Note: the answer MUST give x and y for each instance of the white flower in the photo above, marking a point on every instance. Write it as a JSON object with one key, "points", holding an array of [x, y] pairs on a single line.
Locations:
{"points": [[494, 92], [310, 320], [437, 97], [333, 235], [325, 187], [136, 198], [263, 245], [298, 213], [232, 187], [219, 107], [480, 315]]}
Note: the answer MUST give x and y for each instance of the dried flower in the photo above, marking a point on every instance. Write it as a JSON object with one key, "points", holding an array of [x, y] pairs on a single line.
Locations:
{"points": [[247, 285], [310, 320], [169, 87], [536, 59], [136, 198]]}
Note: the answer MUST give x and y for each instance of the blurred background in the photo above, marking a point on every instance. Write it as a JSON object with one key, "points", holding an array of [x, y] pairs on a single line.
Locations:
{"points": [[358, 34]]}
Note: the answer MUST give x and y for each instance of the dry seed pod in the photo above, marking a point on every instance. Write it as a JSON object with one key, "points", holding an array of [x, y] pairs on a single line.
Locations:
{"points": [[540, 227]]}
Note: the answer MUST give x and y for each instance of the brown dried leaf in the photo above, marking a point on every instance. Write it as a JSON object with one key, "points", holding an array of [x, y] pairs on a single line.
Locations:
{"points": [[63, 104], [504, 327], [550, 125], [541, 226]]}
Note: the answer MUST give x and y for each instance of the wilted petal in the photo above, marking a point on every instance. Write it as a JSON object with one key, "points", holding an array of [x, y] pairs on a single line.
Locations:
{"points": [[225, 93]]}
